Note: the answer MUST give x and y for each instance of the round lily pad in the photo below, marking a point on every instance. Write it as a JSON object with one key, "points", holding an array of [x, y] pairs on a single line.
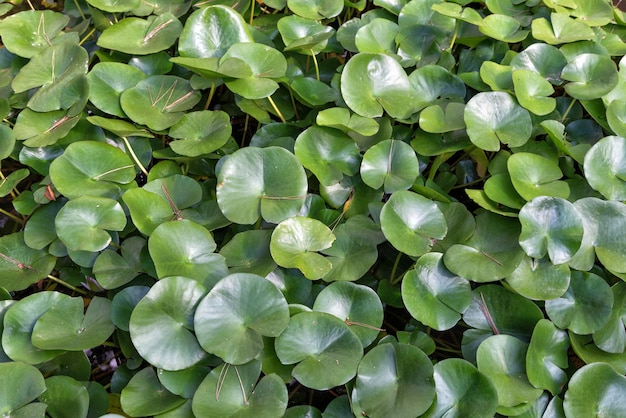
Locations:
{"points": [[21, 265], [391, 165], [539, 279], [65, 397], [107, 82], [200, 132], [137, 36], [232, 318], [547, 357], [161, 325], [145, 396], [327, 353], [595, 389], [394, 380], [251, 183], [21, 384], [433, 295], [412, 222], [605, 167], [542, 180], [357, 305]]}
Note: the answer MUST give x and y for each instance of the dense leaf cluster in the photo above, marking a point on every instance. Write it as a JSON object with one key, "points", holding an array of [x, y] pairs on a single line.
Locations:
{"points": [[414, 208]]}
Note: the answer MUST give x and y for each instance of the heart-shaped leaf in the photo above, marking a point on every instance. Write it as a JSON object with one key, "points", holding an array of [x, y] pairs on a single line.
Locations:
{"points": [[83, 223], [472, 396], [19, 321], [433, 295], [145, 396], [493, 118], [411, 222], [408, 390], [595, 389], [605, 167], [328, 153], [21, 265], [373, 83], [545, 60], [142, 36], [65, 397], [590, 76], [32, 31], [547, 357], [107, 82], [237, 391], [159, 101], [541, 180], [251, 183], [113, 270], [502, 358], [390, 164], [585, 307], [503, 28], [184, 248], [539, 279], [326, 351], [65, 327], [491, 253], [356, 305], [533, 92], [550, 225], [295, 243], [438, 119], [200, 132], [302, 35], [210, 31], [316, 9], [91, 168], [21, 384], [232, 318], [560, 29], [377, 36], [161, 325]]}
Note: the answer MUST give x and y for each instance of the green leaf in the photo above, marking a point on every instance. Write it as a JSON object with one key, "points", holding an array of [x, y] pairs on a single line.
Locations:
{"points": [[539, 279], [500, 189], [612, 337], [200, 132], [433, 84], [545, 60], [161, 325], [29, 32], [314, 92], [605, 167], [115, 6], [138, 36], [377, 36], [39, 231], [533, 175], [146, 396], [210, 31], [43, 129], [491, 253], [295, 243], [184, 248], [236, 391], [502, 358], [65, 397], [159, 101], [303, 35], [493, 118], [113, 270], [249, 252], [232, 318], [590, 76], [21, 265], [11, 181], [595, 389], [462, 391], [390, 164], [326, 351], [547, 357], [561, 29], [550, 225], [438, 119], [107, 82], [183, 382], [91, 168], [495, 308], [7, 141], [251, 183], [357, 305], [328, 153], [373, 83], [316, 9], [533, 92], [354, 250], [411, 222], [124, 302], [83, 223], [19, 322], [21, 384], [65, 327], [433, 295], [585, 307], [503, 28], [394, 380]]}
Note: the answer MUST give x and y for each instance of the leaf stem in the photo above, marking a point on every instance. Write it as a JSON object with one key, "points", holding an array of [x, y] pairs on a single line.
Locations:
{"points": [[317, 67], [571, 105], [132, 154], [211, 94], [392, 279], [80, 10], [456, 33], [13, 217], [66, 284], [91, 32], [276, 109]]}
